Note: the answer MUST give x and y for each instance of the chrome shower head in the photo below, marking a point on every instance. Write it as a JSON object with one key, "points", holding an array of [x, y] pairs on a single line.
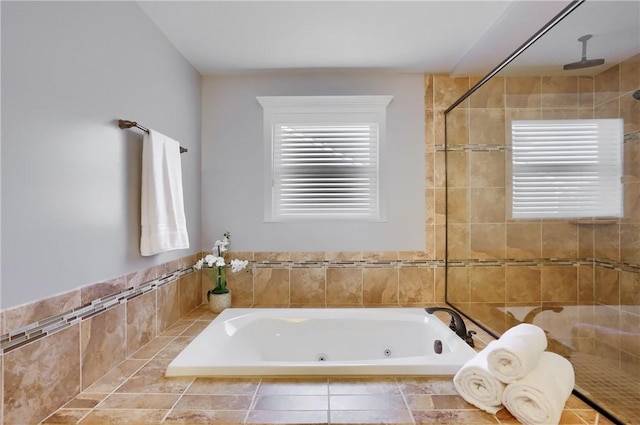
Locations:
{"points": [[584, 62], [636, 95]]}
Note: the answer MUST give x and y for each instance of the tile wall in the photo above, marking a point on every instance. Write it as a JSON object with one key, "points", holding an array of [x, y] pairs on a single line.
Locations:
{"points": [[352, 279], [580, 280], [53, 349]]}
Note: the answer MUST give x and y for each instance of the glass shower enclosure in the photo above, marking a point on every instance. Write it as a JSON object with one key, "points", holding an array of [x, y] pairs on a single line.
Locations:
{"points": [[578, 277]]}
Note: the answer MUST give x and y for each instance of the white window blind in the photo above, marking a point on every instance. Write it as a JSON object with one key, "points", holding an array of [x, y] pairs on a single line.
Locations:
{"points": [[567, 168], [325, 170], [324, 157]]}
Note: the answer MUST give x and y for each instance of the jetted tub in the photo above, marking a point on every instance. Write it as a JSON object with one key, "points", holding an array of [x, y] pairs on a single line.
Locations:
{"points": [[331, 341]]}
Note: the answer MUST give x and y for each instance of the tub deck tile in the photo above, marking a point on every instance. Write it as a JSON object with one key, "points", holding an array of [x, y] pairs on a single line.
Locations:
{"points": [[448, 401], [427, 385], [419, 402], [177, 328], [152, 348], [363, 386], [291, 402], [469, 416], [396, 417], [294, 386], [85, 401], [366, 402], [150, 379], [310, 417], [137, 392], [124, 416], [66, 417], [240, 386], [139, 401], [213, 402], [171, 350], [116, 376], [193, 417], [195, 329]]}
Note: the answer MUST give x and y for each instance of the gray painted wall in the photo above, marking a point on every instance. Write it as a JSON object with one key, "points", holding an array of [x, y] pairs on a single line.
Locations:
{"points": [[70, 177], [232, 163]]}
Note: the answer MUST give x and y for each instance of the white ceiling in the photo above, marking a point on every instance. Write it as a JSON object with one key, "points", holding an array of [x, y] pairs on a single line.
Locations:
{"points": [[615, 26], [447, 36]]}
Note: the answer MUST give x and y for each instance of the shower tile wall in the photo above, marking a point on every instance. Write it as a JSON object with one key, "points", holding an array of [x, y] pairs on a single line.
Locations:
{"points": [[589, 268]]}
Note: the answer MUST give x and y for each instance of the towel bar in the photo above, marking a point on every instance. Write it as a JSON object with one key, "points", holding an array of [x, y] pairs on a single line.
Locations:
{"points": [[129, 124]]}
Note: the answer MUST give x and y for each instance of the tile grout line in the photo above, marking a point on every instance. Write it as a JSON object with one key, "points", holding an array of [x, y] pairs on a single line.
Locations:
{"points": [[253, 400], [404, 399], [164, 418], [80, 388], [328, 381], [91, 410], [146, 362]]}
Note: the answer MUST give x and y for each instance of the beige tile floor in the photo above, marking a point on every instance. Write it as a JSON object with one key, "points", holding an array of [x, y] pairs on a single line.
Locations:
{"points": [[136, 392]]}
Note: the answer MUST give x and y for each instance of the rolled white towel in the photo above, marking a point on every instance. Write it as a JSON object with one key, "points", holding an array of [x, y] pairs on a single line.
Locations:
{"points": [[539, 398], [477, 385], [516, 352]]}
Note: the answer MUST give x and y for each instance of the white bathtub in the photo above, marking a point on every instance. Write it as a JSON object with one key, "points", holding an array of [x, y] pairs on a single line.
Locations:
{"points": [[376, 341]]}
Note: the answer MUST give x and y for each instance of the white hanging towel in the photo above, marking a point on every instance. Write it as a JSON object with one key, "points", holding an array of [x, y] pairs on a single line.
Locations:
{"points": [[164, 227], [475, 383], [516, 352], [539, 398]]}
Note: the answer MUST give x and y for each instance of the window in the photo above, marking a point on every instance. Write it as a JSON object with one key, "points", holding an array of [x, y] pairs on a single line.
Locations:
{"points": [[567, 168], [323, 157]]}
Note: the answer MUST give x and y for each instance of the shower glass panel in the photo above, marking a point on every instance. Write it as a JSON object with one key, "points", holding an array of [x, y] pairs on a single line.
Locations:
{"points": [[577, 278]]}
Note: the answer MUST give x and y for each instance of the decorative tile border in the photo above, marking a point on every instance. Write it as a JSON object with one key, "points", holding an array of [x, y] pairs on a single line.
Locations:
{"points": [[41, 328], [629, 137], [615, 265], [632, 137], [358, 264], [477, 148], [49, 325]]}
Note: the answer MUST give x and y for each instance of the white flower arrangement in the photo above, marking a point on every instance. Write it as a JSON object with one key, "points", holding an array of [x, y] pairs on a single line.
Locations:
{"points": [[214, 265]]}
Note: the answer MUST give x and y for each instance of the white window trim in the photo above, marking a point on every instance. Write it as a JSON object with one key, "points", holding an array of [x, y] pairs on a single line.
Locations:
{"points": [[581, 164], [276, 108]]}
